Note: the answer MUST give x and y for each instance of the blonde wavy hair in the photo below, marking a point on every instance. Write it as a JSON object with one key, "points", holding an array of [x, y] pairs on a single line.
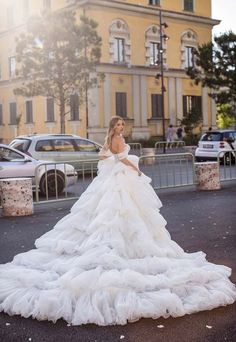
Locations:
{"points": [[111, 131]]}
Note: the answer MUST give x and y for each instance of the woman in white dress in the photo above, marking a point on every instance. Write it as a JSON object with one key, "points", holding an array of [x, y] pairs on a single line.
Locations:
{"points": [[111, 260]]}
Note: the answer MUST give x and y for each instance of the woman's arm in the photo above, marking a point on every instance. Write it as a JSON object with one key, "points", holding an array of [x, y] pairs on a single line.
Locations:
{"points": [[120, 148]]}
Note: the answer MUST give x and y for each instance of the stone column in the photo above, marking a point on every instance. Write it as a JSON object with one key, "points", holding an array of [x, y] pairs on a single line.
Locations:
{"points": [[172, 100], [205, 106], [107, 100], [179, 99], [136, 101], [16, 196], [213, 113], [140, 129], [93, 108], [144, 106]]}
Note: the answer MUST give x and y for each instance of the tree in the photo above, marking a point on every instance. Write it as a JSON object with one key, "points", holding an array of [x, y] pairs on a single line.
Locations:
{"points": [[57, 56], [215, 67], [190, 121], [225, 117]]}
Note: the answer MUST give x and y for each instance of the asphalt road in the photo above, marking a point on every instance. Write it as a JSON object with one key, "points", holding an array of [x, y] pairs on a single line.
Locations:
{"points": [[196, 220]]}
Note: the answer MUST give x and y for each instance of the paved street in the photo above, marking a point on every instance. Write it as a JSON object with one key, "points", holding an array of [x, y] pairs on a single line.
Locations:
{"points": [[196, 220]]}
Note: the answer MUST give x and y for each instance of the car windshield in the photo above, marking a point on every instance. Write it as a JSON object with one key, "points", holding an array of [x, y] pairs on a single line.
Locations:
{"points": [[20, 144], [9, 155], [212, 136]]}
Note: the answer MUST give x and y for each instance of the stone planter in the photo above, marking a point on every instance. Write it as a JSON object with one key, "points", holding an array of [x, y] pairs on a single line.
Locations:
{"points": [[207, 175], [148, 153], [16, 196]]}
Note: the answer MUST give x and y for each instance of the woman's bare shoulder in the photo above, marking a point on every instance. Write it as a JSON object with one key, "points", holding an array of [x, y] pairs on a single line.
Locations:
{"points": [[118, 143]]}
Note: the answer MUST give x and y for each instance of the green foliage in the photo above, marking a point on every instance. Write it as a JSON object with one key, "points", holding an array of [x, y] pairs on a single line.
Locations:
{"points": [[216, 67], [225, 116], [191, 120], [57, 56]]}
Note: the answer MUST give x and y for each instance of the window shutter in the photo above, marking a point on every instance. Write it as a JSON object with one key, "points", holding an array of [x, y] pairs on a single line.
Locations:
{"points": [[50, 110]]}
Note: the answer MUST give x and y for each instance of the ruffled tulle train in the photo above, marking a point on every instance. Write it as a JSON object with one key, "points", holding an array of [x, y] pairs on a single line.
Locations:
{"points": [[111, 260]]}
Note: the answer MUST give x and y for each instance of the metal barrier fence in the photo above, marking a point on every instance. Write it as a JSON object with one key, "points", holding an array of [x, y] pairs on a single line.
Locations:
{"points": [[172, 144], [227, 162], [136, 149], [169, 170], [53, 183], [59, 181], [165, 170]]}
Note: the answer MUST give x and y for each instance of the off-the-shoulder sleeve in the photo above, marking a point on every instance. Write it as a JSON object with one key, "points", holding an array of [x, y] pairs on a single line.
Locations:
{"points": [[104, 153], [123, 154]]}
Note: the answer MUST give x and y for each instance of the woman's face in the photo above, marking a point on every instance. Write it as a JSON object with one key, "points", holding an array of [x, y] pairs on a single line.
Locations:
{"points": [[119, 127]]}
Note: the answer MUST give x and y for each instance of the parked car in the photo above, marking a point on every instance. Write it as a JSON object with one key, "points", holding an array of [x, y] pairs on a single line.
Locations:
{"points": [[214, 142], [59, 147], [15, 164]]}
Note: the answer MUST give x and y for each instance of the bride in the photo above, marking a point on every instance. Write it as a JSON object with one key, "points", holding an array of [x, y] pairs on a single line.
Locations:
{"points": [[111, 260]]}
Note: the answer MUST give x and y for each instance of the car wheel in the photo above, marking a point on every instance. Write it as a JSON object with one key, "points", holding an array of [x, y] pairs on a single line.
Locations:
{"points": [[50, 181]]}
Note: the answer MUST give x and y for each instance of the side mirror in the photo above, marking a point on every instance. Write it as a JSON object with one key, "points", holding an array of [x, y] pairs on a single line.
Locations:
{"points": [[230, 139], [26, 160]]}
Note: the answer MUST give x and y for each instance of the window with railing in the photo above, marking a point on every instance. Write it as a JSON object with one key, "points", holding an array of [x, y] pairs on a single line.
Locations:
{"points": [[119, 42], [189, 56], [189, 43], [154, 53], [119, 50]]}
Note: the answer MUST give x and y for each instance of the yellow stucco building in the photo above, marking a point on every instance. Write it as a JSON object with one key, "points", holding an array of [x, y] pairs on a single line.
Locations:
{"points": [[133, 43]]}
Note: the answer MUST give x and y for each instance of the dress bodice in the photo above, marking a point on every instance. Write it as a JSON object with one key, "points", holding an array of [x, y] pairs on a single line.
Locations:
{"points": [[118, 156]]}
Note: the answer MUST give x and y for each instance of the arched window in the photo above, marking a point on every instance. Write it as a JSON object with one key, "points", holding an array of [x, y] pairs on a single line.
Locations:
{"points": [[189, 41], [119, 42], [152, 46]]}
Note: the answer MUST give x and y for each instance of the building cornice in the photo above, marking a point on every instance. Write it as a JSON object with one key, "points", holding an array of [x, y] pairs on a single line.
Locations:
{"points": [[140, 9], [138, 70]]}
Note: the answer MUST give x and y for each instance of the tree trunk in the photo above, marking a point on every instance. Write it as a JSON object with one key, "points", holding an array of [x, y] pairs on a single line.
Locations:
{"points": [[62, 112]]}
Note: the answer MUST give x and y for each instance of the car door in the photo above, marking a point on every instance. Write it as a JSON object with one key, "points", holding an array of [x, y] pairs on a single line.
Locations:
{"points": [[15, 165], [88, 150]]}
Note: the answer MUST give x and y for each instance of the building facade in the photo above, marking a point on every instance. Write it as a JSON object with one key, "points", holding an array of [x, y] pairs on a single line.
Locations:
{"points": [[134, 47]]}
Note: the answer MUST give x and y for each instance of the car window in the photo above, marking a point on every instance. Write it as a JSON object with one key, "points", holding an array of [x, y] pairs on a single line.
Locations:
{"points": [[44, 146], [9, 155], [214, 136], [63, 145], [232, 135], [21, 145], [86, 146]]}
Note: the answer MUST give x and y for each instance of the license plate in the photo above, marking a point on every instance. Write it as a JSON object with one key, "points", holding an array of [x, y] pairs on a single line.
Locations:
{"points": [[207, 146]]}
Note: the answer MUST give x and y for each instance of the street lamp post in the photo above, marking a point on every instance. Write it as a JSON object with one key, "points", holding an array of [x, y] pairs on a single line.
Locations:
{"points": [[163, 37]]}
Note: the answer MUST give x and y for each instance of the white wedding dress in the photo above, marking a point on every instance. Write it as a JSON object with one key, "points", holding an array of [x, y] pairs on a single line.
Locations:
{"points": [[111, 260]]}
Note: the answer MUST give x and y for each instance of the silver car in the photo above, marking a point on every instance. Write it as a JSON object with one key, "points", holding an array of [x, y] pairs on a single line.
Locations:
{"points": [[60, 148], [51, 178]]}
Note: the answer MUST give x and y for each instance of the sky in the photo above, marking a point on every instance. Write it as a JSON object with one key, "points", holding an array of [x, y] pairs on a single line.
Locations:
{"points": [[225, 10]]}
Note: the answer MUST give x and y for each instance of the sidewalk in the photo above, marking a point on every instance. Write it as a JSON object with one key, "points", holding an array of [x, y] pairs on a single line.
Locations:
{"points": [[196, 220]]}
